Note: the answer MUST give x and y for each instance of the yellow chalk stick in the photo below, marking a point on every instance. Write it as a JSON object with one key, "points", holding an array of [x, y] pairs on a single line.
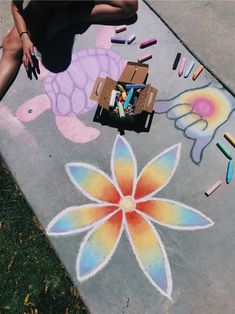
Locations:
{"points": [[230, 138]]}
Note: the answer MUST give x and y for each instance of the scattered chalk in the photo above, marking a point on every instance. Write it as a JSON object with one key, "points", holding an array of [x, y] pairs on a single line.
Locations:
{"points": [[120, 88], [124, 95], [197, 72], [128, 98], [229, 174], [182, 66], [118, 40], [120, 110], [131, 39], [135, 86], [148, 43], [177, 59], [213, 188], [112, 98], [120, 29], [230, 138], [145, 58], [189, 69], [224, 150]]}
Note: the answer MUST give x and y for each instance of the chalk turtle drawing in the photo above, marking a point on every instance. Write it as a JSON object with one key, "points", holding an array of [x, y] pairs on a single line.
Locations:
{"points": [[126, 201], [67, 93], [198, 113]]}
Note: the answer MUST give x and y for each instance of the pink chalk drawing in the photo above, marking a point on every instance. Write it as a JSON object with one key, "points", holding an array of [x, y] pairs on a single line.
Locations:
{"points": [[67, 94], [126, 202], [198, 113], [15, 128]]}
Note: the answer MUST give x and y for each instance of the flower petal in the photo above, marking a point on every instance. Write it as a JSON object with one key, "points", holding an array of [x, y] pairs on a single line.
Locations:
{"points": [[173, 214], [158, 172], [92, 182], [149, 251], [98, 246], [123, 165], [77, 219]]}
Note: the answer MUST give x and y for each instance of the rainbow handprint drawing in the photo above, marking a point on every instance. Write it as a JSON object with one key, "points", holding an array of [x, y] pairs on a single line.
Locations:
{"points": [[126, 202], [198, 113]]}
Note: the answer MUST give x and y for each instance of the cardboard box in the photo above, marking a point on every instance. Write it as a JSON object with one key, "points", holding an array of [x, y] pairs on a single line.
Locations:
{"points": [[133, 73]]}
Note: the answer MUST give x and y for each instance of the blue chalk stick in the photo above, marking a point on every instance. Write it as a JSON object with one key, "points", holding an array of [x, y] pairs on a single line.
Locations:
{"points": [[229, 174], [128, 98], [118, 40], [189, 69], [136, 86], [224, 150]]}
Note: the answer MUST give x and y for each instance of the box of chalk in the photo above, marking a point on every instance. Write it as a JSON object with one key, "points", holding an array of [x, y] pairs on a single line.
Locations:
{"points": [[127, 100]]}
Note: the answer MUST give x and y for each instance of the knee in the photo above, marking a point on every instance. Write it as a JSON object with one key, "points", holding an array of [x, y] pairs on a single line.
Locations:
{"points": [[12, 47], [129, 7]]}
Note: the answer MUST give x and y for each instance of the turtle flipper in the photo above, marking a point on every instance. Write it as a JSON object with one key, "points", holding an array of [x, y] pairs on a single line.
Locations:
{"points": [[75, 130]]}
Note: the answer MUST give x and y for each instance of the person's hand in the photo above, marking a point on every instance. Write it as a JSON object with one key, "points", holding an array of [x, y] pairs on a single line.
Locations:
{"points": [[29, 59], [28, 50]]}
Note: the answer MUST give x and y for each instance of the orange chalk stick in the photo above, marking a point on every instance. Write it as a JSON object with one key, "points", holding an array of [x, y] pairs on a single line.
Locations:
{"points": [[230, 138], [197, 72]]}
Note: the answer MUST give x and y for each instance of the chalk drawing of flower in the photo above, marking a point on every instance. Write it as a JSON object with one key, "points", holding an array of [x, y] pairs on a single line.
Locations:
{"points": [[126, 202]]}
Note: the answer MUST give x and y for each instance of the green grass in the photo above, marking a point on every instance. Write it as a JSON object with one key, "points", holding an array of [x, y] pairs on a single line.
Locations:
{"points": [[32, 279]]}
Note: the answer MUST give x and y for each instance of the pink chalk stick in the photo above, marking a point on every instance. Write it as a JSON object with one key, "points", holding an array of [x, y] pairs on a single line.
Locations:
{"points": [[182, 66], [120, 29], [145, 58], [149, 42]]}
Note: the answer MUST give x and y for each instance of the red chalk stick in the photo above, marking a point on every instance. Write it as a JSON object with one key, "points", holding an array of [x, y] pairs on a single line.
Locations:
{"points": [[149, 42]]}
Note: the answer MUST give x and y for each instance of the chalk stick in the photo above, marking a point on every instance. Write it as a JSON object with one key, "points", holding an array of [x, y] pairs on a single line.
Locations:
{"points": [[135, 86], [230, 138], [120, 88], [128, 98], [182, 66], [197, 72], [131, 39], [224, 150], [124, 95], [176, 62], [112, 98], [120, 110], [148, 43], [118, 40], [120, 28], [189, 69], [145, 58], [229, 174], [213, 188]]}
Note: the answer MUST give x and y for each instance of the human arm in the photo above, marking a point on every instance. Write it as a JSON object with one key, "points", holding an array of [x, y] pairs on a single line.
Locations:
{"points": [[28, 49]]}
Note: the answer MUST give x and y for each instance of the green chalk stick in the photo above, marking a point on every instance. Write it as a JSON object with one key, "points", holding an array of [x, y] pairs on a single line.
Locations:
{"points": [[224, 150]]}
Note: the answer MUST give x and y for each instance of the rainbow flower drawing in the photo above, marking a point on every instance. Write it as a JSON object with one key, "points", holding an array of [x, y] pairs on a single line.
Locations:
{"points": [[126, 202]]}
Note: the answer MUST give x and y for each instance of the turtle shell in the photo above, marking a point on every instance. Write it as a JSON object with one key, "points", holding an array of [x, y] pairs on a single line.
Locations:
{"points": [[70, 91]]}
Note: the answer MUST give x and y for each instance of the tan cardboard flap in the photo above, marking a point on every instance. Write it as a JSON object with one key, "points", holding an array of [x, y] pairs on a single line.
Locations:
{"points": [[96, 91], [134, 73], [106, 92], [146, 99]]}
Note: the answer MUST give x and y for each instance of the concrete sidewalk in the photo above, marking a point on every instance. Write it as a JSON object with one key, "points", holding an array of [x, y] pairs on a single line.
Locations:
{"points": [[128, 215], [207, 28]]}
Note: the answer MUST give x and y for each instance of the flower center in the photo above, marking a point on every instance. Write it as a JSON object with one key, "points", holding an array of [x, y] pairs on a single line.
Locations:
{"points": [[127, 203]]}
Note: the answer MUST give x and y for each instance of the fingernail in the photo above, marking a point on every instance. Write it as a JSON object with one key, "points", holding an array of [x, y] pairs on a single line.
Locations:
{"points": [[32, 54]]}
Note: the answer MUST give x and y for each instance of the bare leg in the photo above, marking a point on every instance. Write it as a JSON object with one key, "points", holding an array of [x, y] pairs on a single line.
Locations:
{"points": [[12, 46], [100, 12], [10, 61]]}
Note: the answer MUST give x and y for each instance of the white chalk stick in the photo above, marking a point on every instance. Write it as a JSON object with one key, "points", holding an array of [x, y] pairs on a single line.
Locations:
{"points": [[213, 188]]}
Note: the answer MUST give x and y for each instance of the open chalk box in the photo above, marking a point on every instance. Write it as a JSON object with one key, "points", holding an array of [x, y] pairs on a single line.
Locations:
{"points": [[140, 110]]}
